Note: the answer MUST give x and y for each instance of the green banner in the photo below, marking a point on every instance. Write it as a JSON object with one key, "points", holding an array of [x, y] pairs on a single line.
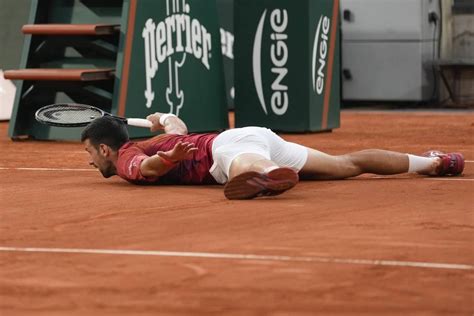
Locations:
{"points": [[174, 64], [225, 10], [287, 64]]}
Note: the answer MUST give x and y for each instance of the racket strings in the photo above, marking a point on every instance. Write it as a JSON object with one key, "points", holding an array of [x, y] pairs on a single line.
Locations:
{"points": [[68, 114]]}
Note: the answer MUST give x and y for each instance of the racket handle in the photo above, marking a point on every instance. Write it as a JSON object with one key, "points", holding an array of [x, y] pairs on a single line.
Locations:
{"points": [[138, 122]]}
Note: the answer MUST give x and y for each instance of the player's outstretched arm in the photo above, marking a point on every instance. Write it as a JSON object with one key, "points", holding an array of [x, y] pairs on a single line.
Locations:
{"points": [[169, 123], [159, 164]]}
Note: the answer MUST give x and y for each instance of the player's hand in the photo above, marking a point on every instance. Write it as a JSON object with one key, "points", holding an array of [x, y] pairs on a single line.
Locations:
{"points": [[173, 124], [181, 151], [155, 120]]}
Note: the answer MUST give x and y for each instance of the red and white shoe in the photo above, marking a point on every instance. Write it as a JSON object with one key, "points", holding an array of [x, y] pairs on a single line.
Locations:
{"points": [[452, 164], [249, 185]]}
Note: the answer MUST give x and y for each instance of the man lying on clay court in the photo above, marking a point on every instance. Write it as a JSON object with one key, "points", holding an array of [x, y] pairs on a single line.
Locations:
{"points": [[250, 161]]}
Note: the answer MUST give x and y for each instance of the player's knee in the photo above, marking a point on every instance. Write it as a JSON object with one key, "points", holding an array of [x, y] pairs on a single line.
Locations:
{"points": [[350, 165]]}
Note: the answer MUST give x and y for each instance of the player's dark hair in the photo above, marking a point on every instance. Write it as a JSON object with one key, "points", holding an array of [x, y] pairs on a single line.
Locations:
{"points": [[106, 130]]}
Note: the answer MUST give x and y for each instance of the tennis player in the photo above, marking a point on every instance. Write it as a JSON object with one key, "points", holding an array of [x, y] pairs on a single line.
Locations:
{"points": [[250, 161]]}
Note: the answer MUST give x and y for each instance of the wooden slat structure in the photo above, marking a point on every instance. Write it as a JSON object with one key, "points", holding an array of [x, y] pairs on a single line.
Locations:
{"points": [[60, 74], [70, 29], [70, 54]]}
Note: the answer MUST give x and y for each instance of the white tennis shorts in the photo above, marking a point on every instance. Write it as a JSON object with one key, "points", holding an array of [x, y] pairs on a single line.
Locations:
{"points": [[254, 140]]}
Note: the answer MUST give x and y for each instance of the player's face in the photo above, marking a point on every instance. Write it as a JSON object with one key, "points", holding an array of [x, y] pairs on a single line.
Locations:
{"points": [[99, 160]]}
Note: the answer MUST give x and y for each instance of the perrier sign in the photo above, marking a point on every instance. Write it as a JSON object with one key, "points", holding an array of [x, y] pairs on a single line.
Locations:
{"points": [[174, 63], [287, 64]]}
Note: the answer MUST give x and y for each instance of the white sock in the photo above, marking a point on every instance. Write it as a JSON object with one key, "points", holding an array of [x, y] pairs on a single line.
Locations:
{"points": [[418, 163]]}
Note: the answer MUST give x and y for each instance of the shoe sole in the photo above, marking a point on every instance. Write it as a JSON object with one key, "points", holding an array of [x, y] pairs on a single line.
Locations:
{"points": [[249, 185]]}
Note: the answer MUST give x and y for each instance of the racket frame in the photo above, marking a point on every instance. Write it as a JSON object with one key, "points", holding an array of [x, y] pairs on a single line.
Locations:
{"points": [[133, 122]]}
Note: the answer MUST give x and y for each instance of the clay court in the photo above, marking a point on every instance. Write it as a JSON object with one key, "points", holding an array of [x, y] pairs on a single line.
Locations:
{"points": [[73, 243]]}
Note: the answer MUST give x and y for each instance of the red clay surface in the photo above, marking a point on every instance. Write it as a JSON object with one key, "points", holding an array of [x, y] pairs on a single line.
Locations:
{"points": [[405, 218]]}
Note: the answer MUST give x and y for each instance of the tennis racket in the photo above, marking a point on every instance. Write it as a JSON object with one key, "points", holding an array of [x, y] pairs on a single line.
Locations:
{"points": [[76, 115]]}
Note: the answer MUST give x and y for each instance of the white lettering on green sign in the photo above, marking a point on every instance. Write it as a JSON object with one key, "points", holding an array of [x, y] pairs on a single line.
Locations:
{"points": [[279, 57], [178, 33], [320, 53]]}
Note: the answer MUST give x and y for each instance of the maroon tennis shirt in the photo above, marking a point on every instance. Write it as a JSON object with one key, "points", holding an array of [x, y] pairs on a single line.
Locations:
{"points": [[192, 171]]}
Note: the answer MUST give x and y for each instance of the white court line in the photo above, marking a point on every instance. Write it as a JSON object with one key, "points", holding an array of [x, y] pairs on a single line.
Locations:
{"points": [[427, 178], [46, 169], [71, 169], [45, 152], [207, 255], [86, 170], [448, 179]]}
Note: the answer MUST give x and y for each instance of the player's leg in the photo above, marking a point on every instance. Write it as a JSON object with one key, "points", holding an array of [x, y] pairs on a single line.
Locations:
{"points": [[323, 166]]}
